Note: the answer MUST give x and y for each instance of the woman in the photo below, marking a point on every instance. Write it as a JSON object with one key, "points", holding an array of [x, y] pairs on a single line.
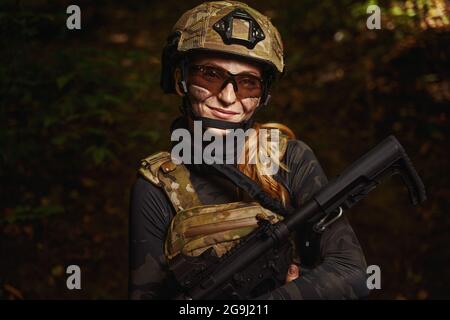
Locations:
{"points": [[221, 59]]}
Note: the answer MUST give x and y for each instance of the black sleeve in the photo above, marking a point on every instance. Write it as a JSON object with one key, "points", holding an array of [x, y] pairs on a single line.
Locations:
{"points": [[150, 216], [341, 274]]}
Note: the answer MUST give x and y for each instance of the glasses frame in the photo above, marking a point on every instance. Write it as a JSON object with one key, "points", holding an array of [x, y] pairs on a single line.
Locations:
{"points": [[228, 78]]}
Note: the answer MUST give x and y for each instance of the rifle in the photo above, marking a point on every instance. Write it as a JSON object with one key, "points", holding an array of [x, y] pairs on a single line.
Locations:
{"points": [[259, 262]]}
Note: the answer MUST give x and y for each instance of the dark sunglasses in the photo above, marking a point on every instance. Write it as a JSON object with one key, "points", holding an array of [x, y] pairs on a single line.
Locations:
{"points": [[215, 79]]}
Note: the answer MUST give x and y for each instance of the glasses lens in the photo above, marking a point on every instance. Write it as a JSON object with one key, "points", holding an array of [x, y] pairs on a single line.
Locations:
{"points": [[207, 77], [248, 86]]}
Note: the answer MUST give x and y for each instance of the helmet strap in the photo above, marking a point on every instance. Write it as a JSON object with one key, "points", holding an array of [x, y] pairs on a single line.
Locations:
{"points": [[183, 69]]}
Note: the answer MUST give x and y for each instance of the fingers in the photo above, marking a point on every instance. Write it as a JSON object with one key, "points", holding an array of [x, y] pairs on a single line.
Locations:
{"points": [[293, 273]]}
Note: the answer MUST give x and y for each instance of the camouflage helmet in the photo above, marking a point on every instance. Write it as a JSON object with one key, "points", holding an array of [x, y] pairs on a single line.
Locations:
{"points": [[228, 27]]}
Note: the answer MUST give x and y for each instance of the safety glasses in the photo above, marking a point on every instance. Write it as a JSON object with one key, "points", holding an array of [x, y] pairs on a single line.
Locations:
{"points": [[215, 79]]}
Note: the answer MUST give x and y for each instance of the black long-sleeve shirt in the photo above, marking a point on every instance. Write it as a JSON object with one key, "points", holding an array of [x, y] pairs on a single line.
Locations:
{"points": [[341, 273]]}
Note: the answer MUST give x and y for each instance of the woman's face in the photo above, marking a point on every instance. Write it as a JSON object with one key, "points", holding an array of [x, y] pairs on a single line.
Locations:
{"points": [[224, 104]]}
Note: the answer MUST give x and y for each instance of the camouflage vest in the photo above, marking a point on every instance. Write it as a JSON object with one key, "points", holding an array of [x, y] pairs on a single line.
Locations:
{"points": [[197, 227]]}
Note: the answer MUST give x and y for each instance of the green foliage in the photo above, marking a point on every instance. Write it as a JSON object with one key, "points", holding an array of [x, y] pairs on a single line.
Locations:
{"points": [[66, 106], [25, 213]]}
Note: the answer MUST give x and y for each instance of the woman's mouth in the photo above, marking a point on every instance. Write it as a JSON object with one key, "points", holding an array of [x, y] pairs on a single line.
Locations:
{"points": [[222, 113]]}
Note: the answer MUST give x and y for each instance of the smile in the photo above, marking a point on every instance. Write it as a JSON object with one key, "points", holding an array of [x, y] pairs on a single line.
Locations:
{"points": [[222, 114]]}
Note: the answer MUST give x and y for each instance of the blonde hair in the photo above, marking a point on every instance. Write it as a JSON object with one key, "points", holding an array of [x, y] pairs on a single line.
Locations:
{"points": [[257, 170]]}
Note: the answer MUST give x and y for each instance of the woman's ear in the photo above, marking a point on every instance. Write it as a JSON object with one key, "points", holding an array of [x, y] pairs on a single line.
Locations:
{"points": [[178, 85]]}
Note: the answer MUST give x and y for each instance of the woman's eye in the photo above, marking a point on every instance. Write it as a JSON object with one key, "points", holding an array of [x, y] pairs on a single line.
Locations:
{"points": [[212, 74], [249, 83]]}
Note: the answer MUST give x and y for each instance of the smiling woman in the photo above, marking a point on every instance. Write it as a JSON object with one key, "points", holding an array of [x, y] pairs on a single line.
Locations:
{"points": [[223, 72], [222, 88]]}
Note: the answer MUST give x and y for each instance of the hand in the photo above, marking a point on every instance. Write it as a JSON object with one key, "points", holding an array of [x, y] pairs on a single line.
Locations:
{"points": [[293, 273]]}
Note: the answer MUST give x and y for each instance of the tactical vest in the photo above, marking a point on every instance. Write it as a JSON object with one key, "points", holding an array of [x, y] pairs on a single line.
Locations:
{"points": [[196, 227]]}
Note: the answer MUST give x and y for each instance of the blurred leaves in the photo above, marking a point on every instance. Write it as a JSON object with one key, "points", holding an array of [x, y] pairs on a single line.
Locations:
{"points": [[24, 213]]}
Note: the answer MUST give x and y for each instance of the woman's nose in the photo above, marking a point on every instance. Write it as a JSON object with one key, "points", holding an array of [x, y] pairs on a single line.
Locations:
{"points": [[227, 95]]}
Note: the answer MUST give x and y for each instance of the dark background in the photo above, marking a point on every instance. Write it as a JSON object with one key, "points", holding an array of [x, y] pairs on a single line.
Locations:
{"points": [[79, 109]]}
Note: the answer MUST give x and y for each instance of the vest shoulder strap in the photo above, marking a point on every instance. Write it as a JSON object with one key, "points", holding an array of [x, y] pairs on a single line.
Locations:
{"points": [[150, 166], [173, 178]]}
